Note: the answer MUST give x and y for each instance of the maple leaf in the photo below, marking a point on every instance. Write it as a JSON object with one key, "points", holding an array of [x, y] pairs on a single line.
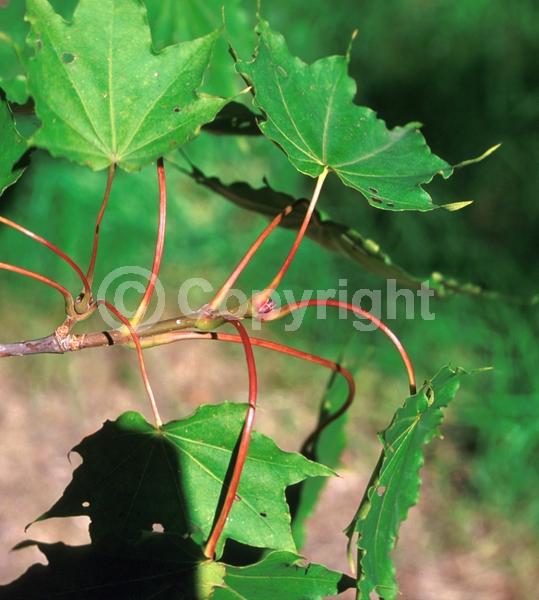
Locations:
{"points": [[103, 95], [134, 476], [311, 115]]}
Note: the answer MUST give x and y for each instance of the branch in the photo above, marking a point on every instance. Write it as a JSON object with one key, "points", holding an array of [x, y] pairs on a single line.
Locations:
{"points": [[46, 345]]}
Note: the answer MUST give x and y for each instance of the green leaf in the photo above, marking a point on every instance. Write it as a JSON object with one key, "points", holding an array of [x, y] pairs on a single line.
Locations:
{"points": [[395, 484], [281, 575], [167, 567], [180, 20], [310, 113], [103, 95], [12, 147], [327, 449], [134, 476]]}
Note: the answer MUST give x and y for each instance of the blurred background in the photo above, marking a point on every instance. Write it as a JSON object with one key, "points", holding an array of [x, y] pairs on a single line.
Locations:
{"points": [[466, 69]]}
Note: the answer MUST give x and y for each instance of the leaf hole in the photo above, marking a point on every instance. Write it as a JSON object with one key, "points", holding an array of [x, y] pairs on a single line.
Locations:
{"points": [[263, 514], [176, 109], [68, 58], [158, 528], [381, 490], [373, 190], [377, 200], [86, 504], [74, 458]]}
